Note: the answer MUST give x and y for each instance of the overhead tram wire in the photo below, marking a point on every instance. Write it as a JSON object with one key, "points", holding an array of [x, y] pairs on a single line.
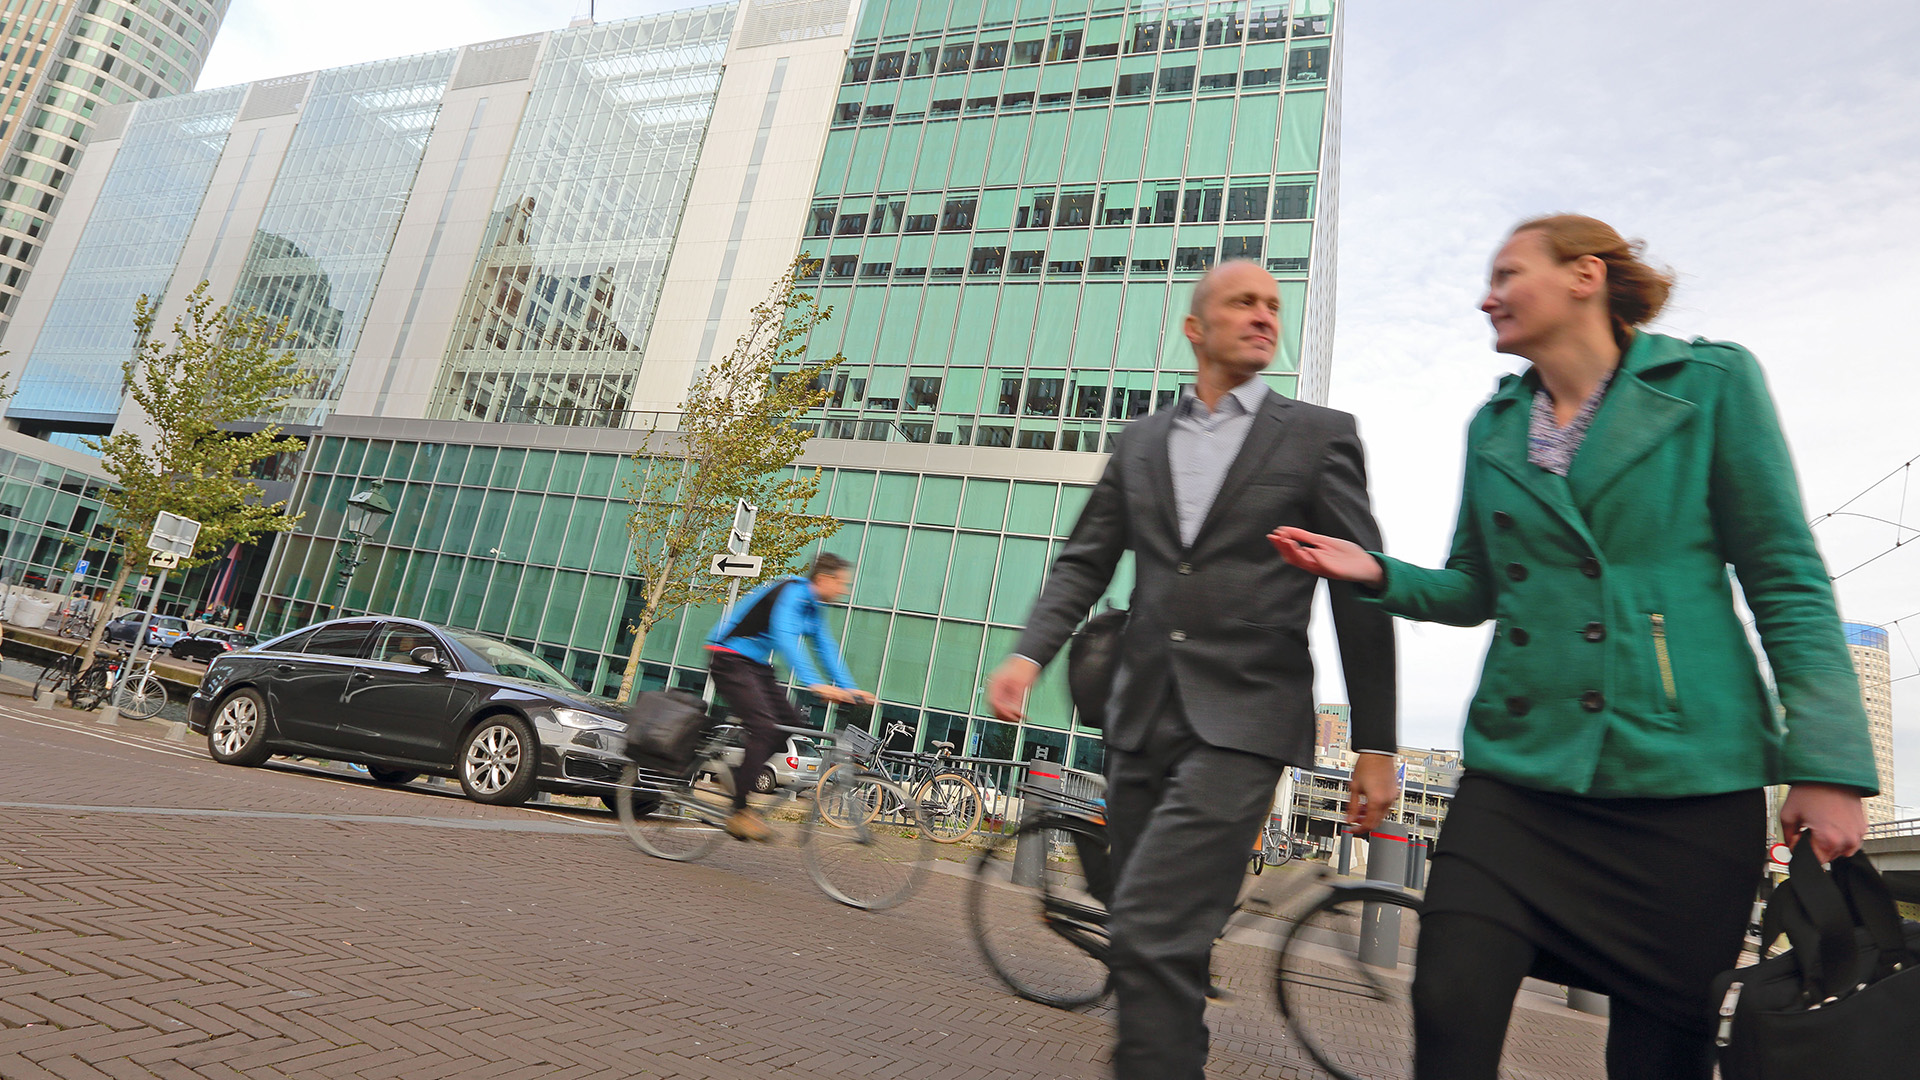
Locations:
{"points": [[1900, 539]]}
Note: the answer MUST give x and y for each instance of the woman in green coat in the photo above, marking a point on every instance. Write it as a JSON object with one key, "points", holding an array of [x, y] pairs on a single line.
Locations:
{"points": [[1609, 832]]}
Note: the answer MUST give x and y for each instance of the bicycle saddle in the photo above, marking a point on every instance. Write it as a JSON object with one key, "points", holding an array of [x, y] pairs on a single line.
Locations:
{"points": [[940, 746]]}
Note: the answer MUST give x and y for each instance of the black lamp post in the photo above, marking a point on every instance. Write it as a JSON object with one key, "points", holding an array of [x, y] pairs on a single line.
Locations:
{"points": [[367, 513]]}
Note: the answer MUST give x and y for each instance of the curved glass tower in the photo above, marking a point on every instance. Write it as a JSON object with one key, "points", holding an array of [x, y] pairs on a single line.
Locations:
{"points": [[62, 64]]}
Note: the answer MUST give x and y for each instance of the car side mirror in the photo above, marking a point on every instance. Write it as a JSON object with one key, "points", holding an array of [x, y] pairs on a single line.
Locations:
{"points": [[429, 656]]}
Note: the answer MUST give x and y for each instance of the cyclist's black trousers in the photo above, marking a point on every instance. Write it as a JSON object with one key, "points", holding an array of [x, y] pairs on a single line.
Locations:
{"points": [[1463, 989], [759, 703], [1182, 816]]}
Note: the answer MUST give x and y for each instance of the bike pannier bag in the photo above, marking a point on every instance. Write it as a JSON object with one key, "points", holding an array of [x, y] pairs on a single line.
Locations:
{"points": [[1844, 1001], [1093, 659], [664, 728]]}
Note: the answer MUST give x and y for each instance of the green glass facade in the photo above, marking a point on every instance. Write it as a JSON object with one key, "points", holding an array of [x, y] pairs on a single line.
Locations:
{"points": [[1016, 199]]}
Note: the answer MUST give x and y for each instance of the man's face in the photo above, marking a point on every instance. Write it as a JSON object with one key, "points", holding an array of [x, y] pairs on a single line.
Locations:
{"points": [[1238, 325], [830, 588]]}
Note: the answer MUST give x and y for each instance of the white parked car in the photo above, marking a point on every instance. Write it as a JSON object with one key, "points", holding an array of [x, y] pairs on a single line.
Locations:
{"points": [[795, 766]]}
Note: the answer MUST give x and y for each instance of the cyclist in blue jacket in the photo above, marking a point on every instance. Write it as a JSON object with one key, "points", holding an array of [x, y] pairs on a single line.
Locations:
{"points": [[775, 618]]}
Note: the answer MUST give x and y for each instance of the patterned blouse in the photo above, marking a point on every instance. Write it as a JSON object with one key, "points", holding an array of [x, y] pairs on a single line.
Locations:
{"points": [[1552, 447]]}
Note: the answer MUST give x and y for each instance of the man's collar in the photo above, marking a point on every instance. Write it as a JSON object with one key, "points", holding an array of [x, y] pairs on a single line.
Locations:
{"points": [[1250, 394]]}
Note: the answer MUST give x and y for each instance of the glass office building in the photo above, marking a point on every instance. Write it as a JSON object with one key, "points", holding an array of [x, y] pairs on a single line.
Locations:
{"points": [[1014, 204], [1009, 202]]}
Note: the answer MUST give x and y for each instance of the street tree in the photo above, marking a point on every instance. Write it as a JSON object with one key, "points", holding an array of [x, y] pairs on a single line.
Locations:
{"points": [[739, 435], [183, 451]]}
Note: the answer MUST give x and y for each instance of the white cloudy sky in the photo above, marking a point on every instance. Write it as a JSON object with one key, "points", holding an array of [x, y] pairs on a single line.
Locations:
{"points": [[1767, 151]]}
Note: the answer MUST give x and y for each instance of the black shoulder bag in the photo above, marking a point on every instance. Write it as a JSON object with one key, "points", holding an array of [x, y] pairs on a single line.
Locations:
{"points": [[664, 728], [1844, 1001], [1093, 658]]}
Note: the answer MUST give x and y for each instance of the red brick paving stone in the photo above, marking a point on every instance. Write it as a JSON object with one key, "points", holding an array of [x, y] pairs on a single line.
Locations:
{"points": [[367, 944]]}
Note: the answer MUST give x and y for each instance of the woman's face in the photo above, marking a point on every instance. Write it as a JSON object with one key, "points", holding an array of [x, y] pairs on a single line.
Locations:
{"points": [[1531, 296]]}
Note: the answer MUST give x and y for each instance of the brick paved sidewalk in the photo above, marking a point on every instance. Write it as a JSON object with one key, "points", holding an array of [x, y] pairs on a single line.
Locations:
{"points": [[277, 922]]}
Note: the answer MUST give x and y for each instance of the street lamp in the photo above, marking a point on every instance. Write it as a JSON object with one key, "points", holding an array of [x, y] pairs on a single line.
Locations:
{"points": [[367, 512]]}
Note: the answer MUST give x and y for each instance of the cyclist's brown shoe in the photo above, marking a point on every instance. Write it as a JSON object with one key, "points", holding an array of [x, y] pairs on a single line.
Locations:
{"points": [[747, 825]]}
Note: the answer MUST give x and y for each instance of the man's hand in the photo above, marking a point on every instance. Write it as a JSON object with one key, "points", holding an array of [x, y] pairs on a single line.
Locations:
{"points": [[1007, 689], [844, 697], [1833, 812], [1375, 788]]}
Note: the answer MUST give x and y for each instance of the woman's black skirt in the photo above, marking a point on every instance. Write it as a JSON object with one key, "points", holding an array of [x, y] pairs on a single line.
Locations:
{"points": [[1646, 899]]}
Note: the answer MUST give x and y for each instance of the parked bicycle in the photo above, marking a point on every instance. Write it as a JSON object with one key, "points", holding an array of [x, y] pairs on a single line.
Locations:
{"points": [[1273, 847], [949, 797], [854, 852], [140, 695], [1038, 899], [86, 689]]}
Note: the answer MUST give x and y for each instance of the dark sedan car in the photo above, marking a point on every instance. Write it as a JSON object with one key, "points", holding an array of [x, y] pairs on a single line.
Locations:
{"points": [[205, 644], [405, 698]]}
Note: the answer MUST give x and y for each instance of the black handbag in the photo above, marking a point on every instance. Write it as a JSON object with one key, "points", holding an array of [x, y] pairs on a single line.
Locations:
{"points": [[1844, 1001], [664, 728], [1093, 658]]}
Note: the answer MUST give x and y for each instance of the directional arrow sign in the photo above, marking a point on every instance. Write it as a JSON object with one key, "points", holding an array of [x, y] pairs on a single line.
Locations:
{"points": [[735, 565]]}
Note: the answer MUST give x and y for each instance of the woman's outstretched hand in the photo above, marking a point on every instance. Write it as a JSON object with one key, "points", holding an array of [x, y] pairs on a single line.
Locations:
{"points": [[1341, 560]]}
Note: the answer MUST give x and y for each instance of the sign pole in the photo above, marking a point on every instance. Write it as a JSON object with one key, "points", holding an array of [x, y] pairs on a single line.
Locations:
{"points": [[110, 711]]}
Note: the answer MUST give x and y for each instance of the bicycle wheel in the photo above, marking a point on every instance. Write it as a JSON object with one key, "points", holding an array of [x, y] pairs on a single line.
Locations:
{"points": [[54, 676], [87, 691], [1278, 848], [667, 821], [141, 697], [842, 813], [950, 805], [1346, 967], [870, 861], [1041, 924]]}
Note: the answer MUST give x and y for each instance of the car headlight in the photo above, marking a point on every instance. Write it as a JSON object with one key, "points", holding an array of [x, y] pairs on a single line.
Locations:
{"points": [[579, 718]]}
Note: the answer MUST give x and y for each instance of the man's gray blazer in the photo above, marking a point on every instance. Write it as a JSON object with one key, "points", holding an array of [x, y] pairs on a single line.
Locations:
{"points": [[1224, 623]]}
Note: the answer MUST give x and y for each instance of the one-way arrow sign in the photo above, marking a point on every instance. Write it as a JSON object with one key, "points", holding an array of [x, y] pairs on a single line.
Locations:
{"points": [[735, 566]]}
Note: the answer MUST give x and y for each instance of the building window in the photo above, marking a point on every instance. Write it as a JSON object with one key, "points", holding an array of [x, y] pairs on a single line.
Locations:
{"points": [[1028, 52], [955, 58], [1240, 247], [852, 224], [945, 107], [1136, 85], [1089, 402], [958, 213], [920, 223], [1193, 258], [888, 66], [1036, 440], [886, 216], [1107, 264], [1246, 203], [987, 260], [876, 270], [879, 113], [1149, 266], [1068, 267], [847, 113], [842, 266], [1017, 101], [923, 393], [1038, 216], [1026, 262], [1009, 403], [1293, 201], [858, 68], [1076, 208], [1218, 82], [822, 219], [1043, 397], [1064, 45], [994, 436], [1307, 65], [1201, 204], [1177, 80], [990, 54]]}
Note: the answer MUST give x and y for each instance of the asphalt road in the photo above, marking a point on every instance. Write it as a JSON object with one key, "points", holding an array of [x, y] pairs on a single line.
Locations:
{"points": [[165, 916]]}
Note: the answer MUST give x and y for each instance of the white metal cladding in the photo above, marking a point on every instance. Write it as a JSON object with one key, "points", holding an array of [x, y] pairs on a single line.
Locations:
{"points": [[506, 60], [275, 97], [770, 22], [111, 122]]}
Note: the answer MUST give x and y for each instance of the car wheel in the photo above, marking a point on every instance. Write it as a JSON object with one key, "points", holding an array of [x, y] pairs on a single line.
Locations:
{"points": [[392, 777], [237, 734], [766, 783], [498, 761]]}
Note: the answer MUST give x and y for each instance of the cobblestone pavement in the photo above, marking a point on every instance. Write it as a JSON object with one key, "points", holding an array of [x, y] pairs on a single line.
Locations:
{"points": [[165, 916]]}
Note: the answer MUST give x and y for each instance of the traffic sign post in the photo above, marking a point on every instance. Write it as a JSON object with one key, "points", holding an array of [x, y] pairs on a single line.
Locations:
{"points": [[735, 566], [171, 540], [736, 563]]}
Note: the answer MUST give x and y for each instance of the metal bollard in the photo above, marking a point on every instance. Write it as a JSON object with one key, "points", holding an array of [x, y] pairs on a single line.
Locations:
{"points": [[1380, 923], [1030, 859]]}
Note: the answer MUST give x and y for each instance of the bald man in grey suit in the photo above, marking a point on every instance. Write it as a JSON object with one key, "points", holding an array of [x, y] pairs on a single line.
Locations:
{"points": [[1214, 695]]}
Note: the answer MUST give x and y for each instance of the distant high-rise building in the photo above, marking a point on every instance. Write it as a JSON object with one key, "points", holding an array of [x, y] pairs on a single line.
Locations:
{"points": [[1330, 728], [1873, 663], [62, 64]]}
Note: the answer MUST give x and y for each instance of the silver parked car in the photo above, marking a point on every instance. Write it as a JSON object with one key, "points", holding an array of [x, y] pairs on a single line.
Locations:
{"points": [[795, 766]]}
